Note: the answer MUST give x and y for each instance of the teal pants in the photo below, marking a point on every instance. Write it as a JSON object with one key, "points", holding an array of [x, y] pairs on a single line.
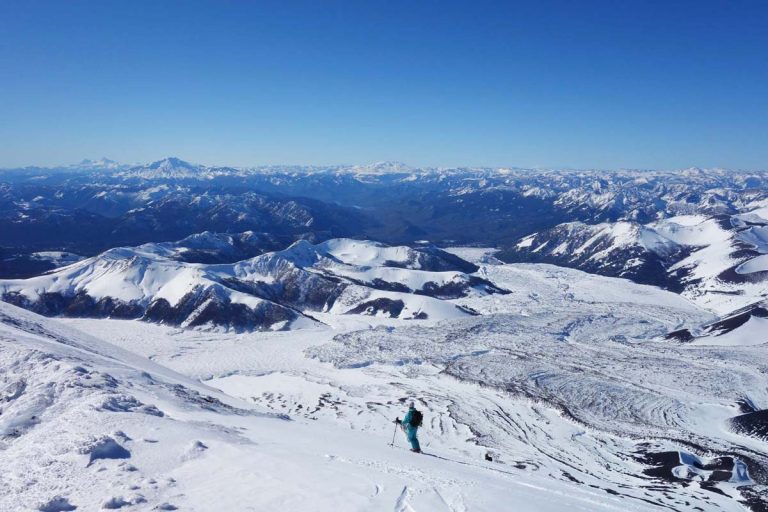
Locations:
{"points": [[410, 433]]}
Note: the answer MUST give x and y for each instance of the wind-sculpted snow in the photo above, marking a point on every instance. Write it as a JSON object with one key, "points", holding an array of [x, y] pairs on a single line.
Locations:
{"points": [[65, 398], [627, 389], [582, 346], [88, 426]]}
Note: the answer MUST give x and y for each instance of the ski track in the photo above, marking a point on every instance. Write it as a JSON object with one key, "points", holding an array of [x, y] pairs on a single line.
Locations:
{"points": [[402, 505]]}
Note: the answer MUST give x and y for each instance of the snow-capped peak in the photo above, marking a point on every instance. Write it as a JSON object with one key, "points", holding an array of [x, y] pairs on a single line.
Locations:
{"points": [[170, 167], [172, 163]]}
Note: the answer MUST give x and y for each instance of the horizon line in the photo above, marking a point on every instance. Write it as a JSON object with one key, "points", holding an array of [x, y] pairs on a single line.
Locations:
{"points": [[131, 165]]}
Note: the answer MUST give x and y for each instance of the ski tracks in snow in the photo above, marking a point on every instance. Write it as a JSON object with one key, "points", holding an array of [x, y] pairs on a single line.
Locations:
{"points": [[402, 504], [424, 492], [433, 499]]}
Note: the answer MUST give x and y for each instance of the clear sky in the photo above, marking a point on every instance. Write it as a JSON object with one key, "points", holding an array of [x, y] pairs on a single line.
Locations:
{"points": [[590, 83]]}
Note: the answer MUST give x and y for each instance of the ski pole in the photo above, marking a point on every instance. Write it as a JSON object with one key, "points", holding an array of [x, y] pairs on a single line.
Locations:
{"points": [[394, 434]]}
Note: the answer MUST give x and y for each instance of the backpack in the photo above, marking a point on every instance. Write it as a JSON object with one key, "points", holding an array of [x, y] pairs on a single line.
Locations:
{"points": [[416, 418]]}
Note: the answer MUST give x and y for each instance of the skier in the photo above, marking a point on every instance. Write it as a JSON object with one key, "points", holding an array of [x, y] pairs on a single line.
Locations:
{"points": [[410, 425]]}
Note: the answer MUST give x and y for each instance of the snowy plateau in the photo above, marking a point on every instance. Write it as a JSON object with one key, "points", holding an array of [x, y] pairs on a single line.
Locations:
{"points": [[182, 337]]}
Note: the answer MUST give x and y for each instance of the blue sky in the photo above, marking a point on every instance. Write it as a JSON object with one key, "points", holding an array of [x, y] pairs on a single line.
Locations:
{"points": [[630, 83]]}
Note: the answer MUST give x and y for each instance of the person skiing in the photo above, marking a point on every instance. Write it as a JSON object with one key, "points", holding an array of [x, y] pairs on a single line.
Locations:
{"points": [[410, 425]]}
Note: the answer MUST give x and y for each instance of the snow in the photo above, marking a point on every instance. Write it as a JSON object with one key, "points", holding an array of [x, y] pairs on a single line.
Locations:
{"points": [[525, 242], [475, 255], [758, 215], [57, 258], [712, 252], [142, 275], [758, 264], [600, 242], [704, 267], [379, 168], [125, 274], [692, 230], [753, 332], [186, 454], [559, 382], [413, 279], [355, 252], [565, 336], [655, 242], [755, 236], [698, 254], [542, 284], [413, 305]]}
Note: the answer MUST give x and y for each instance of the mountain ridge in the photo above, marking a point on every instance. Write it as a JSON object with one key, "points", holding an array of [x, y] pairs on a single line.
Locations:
{"points": [[273, 290]]}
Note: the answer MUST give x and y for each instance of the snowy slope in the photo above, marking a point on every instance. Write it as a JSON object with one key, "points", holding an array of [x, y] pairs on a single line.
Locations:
{"points": [[89, 426], [579, 344], [56, 258], [744, 327], [557, 382], [620, 249], [718, 262], [723, 250], [208, 247], [754, 233]]}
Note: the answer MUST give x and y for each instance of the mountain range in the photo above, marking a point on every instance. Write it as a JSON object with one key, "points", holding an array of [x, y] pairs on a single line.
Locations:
{"points": [[716, 261], [167, 283]]}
